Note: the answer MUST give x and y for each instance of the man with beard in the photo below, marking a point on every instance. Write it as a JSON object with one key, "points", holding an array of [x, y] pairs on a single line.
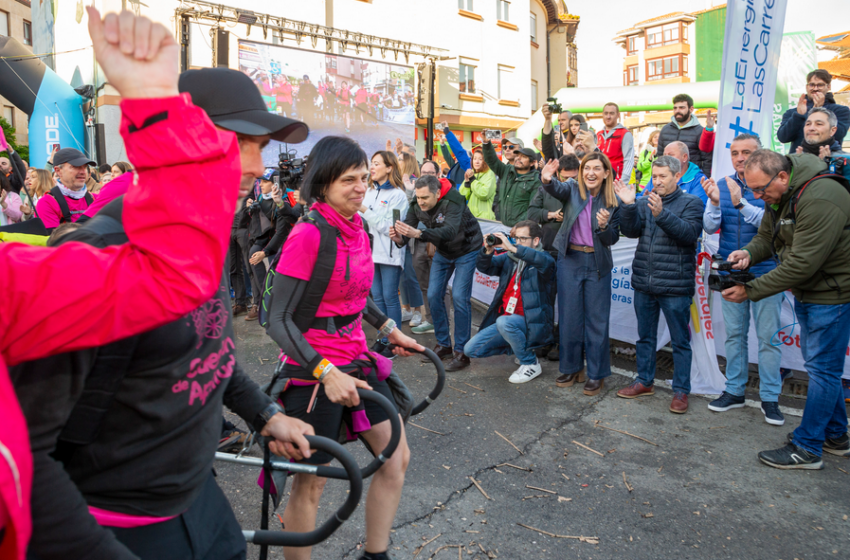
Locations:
{"points": [[817, 95], [685, 127], [517, 183]]}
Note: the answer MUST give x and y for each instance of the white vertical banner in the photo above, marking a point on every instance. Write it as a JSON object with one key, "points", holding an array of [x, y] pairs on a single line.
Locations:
{"points": [[748, 79]]}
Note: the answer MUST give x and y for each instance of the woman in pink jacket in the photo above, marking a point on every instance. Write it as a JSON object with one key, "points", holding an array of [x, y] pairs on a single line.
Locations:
{"points": [[130, 288]]}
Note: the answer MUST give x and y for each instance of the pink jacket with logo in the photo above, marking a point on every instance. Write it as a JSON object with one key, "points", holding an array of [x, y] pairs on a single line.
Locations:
{"points": [[89, 297]]}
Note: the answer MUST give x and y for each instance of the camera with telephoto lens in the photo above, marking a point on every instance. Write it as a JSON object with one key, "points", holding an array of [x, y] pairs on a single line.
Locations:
{"points": [[719, 282], [493, 241], [291, 169], [554, 106]]}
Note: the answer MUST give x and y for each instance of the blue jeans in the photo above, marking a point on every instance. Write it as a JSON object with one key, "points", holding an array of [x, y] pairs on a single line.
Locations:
{"points": [[508, 334], [824, 334], [441, 271], [385, 291], [736, 317], [584, 311], [677, 312], [411, 293]]}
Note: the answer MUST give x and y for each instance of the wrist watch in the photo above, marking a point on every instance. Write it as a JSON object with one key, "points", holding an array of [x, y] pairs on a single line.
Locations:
{"points": [[265, 415], [740, 204], [387, 328]]}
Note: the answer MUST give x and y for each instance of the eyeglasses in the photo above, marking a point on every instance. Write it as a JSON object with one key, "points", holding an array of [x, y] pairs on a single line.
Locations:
{"points": [[432, 173], [522, 239], [817, 85], [762, 189]]}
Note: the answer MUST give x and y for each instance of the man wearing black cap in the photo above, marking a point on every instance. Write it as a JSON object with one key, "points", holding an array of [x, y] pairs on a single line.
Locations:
{"points": [[139, 484], [518, 183], [70, 197]]}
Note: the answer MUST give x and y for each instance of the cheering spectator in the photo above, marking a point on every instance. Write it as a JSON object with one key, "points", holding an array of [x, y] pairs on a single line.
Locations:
{"points": [[70, 197], [616, 142], [818, 84], [806, 230], [454, 231], [691, 177], [511, 146], [667, 224], [385, 194], [571, 136], [819, 134], [522, 314], [552, 144], [517, 182], [38, 183], [735, 210], [647, 156], [119, 168], [547, 210], [590, 228], [479, 189], [685, 127], [463, 163], [10, 203]]}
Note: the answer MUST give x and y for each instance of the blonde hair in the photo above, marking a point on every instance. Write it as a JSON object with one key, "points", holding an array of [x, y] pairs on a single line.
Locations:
{"points": [[409, 165], [607, 187], [652, 135], [42, 182]]}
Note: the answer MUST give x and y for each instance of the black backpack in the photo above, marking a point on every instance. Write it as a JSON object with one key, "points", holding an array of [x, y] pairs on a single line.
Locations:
{"points": [[56, 193]]}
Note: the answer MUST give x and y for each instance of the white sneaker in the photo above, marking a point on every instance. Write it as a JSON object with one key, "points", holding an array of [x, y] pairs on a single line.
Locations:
{"points": [[416, 319], [406, 315], [526, 373]]}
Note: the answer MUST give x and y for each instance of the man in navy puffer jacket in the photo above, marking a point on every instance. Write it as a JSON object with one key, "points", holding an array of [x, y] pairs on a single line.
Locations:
{"points": [[734, 209], [667, 223]]}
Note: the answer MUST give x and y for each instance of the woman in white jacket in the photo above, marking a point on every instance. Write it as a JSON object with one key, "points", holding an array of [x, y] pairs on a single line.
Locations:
{"points": [[385, 195]]}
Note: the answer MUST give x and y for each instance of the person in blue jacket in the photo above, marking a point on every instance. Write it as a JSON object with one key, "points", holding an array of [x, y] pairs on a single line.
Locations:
{"points": [[737, 213], [817, 94], [691, 176], [458, 155], [522, 315]]}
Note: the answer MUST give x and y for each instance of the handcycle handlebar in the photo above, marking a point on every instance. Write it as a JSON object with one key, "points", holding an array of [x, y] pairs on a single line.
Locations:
{"points": [[350, 471], [441, 381], [395, 425]]}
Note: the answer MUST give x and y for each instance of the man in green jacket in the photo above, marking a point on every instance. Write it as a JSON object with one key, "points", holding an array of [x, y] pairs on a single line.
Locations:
{"points": [[517, 183], [807, 226]]}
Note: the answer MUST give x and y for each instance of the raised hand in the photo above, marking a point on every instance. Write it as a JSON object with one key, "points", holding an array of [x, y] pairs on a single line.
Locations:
{"points": [[549, 171], [824, 152], [734, 190], [389, 145], [802, 105], [469, 174], [655, 204], [818, 99], [799, 149], [139, 58], [710, 119], [710, 188], [602, 218], [627, 193]]}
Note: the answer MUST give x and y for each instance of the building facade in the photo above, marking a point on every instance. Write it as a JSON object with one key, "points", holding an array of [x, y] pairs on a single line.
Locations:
{"points": [[16, 22], [658, 50]]}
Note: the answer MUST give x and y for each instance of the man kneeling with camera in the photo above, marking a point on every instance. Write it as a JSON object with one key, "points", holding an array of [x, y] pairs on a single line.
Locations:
{"points": [[522, 315]]}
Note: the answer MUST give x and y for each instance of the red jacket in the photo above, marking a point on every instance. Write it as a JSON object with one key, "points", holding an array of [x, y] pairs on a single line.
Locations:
{"points": [[613, 148], [75, 296]]}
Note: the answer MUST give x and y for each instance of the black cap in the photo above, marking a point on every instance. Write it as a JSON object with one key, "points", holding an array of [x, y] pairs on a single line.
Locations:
{"points": [[233, 102], [73, 156], [529, 153]]}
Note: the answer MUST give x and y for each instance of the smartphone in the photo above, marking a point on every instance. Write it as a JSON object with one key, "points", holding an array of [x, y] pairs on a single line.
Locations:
{"points": [[396, 215], [56, 147], [438, 127], [583, 126], [492, 134], [291, 196]]}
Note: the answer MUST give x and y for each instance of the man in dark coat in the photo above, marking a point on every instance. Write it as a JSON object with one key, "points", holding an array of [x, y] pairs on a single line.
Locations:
{"points": [[522, 314], [817, 95], [685, 127], [668, 223]]}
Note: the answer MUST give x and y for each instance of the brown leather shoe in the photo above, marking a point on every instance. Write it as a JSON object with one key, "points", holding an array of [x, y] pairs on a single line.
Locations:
{"points": [[459, 362], [442, 352], [593, 386], [635, 390], [239, 310], [566, 380], [253, 313], [680, 403]]}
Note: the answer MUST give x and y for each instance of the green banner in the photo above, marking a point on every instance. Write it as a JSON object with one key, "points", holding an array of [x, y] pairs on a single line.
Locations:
{"points": [[797, 58]]}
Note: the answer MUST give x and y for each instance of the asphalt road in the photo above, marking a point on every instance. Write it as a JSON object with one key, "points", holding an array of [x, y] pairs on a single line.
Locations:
{"points": [[697, 491]]}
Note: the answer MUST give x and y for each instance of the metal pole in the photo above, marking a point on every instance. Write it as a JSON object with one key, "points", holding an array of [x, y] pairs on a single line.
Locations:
{"points": [[429, 143]]}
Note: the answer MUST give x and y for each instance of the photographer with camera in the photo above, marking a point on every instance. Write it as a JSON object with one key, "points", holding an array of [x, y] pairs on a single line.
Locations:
{"points": [[553, 145], [522, 314], [667, 224], [455, 233], [734, 209], [808, 230], [517, 182]]}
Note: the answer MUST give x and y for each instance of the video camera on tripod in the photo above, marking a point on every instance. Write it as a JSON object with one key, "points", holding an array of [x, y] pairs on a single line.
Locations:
{"points": [[719, 282], [291, 169]]}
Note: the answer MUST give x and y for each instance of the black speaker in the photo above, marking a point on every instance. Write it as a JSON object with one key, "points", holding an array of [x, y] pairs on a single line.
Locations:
{"points": [[221, 43]]}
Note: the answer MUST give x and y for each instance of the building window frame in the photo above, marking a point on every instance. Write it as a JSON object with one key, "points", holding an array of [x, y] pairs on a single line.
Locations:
{"points": [[27, 33], [11, 111], [466, 78], [534, 93], [680, 61], [505, 90], [6, 32], [630, 75], [503, 10], [667, 34], [464, 5], [631, 45], [532, 20]]}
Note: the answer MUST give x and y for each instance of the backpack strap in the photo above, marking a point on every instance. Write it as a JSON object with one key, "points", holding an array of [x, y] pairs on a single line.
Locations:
{"points": [[322, 271], [63, 205], [792, 213]]}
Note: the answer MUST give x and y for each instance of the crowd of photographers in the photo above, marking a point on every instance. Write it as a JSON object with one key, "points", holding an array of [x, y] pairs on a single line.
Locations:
{"points": [[123, 414]]}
